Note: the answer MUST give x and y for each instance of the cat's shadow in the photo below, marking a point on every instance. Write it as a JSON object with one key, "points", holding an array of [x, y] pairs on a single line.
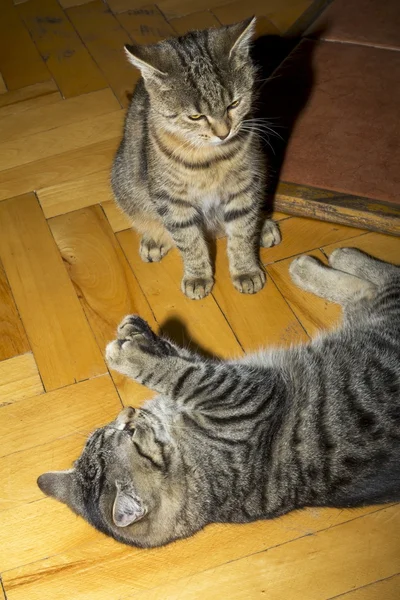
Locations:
{"points": [[177, 332], [285, 81]]}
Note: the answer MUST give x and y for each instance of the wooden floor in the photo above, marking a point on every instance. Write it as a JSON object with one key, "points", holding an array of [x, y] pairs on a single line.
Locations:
{"points": [[70, 270]]}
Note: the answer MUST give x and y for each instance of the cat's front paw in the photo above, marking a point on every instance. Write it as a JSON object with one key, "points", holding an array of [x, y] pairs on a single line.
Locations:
{"points": [[249, 283], [197, 288], [151, 251], [270, 234], [134, 338]]}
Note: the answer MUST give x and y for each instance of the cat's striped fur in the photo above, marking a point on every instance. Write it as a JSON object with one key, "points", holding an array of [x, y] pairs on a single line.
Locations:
{"points": [[178, 177], [235, 441]]}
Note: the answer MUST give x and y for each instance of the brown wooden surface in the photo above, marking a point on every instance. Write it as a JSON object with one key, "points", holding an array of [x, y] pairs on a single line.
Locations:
{"points": [[70, 270]]}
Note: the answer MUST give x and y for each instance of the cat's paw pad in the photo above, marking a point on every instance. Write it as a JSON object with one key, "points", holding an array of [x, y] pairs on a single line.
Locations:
{"points": [[270, 234], [133, 326], [197, 288], [151, 251], [249, 283], [303, 270], [343, 259]]}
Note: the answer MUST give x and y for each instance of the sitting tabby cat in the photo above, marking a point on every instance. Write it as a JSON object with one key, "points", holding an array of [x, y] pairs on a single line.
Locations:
{"points": [[190, 158], [241, 440]]}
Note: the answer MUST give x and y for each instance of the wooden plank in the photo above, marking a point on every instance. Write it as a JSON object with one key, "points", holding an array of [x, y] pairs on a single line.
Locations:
{"points": [[197, 323], [179, 8], [105, 40], [146, 25], [387, 589], [70, 111], [53, 170], [308, 17], [315, 314], [32, 96], [301, 235], [61, 339], [61, 139], [107, 287], [337, 207], [283, 329], [66, 57], [75, 556], [200, 20], [383, 247], [3, 87], [78, 193], [19, 379], [20, 62], [238, 11], [70, 3], [118, 6], [13, 340], [312, 567], [117, 219]]}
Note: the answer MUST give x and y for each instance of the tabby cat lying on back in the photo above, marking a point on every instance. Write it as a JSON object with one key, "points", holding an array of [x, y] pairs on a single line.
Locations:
{"points": [[236, 441], [190, 158]]}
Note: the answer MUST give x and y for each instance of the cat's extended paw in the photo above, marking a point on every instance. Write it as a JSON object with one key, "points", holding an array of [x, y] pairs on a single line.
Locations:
{"points": [[270, 234], [346, 259], [152, 251], [303, 271], [197, 288], [249, 283]]}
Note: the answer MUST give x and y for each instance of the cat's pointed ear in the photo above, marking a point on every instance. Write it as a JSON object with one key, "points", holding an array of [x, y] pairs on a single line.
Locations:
{"points": [[241, 35], [144, 58], [57, 484], [127, 507]]}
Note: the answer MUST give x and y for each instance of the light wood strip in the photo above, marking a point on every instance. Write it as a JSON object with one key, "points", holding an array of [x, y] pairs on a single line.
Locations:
{"points": [[387, 589], [20, 62], [146, 25], [60, 337], [301, 235], [384, 247], [312, 567], [75, 409], [77, 554], [66, 57], [78, 193], [61, 139], [30, 97], [117, 219], [196, 322], [178, 8], [260, 320], [107, 287], [199, 20], [13, 340], [53, 170], [315, 314], [49, 117], [238, 11], [19, 379], [105, 39]]}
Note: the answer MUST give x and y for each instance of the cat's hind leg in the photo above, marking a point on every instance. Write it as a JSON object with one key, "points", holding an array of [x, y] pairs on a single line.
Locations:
{"points": [[356, 262], [336, 286]]}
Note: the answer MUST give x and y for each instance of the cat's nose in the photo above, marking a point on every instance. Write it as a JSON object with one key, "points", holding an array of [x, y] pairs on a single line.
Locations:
{"points": [[223, 136]]}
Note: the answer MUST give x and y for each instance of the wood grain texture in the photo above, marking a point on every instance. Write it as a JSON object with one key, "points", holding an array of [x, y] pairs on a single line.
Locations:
{"points": [[387, 589], [186, 321], [105, 39], [238, 11], [61, 139], [49, 117], [20, 63], [60, 337], [250, 315], [145, 25], [179, 8], [53, 170], [13, 340], [384, 247], [103, 280], [66, 57], [77, 193], [338, 207], [30, 97], [117, 219], [72, 555], [301, 235], [311, 567], [19, 379], [200, 20]]}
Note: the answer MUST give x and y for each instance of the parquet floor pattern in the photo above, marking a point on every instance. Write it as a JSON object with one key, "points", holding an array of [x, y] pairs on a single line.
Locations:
{"points": [[69, 270]]}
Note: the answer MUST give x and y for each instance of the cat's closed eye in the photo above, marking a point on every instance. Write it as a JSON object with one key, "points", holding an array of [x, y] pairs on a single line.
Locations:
{"points": [[196, 117], [233, 104]]}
